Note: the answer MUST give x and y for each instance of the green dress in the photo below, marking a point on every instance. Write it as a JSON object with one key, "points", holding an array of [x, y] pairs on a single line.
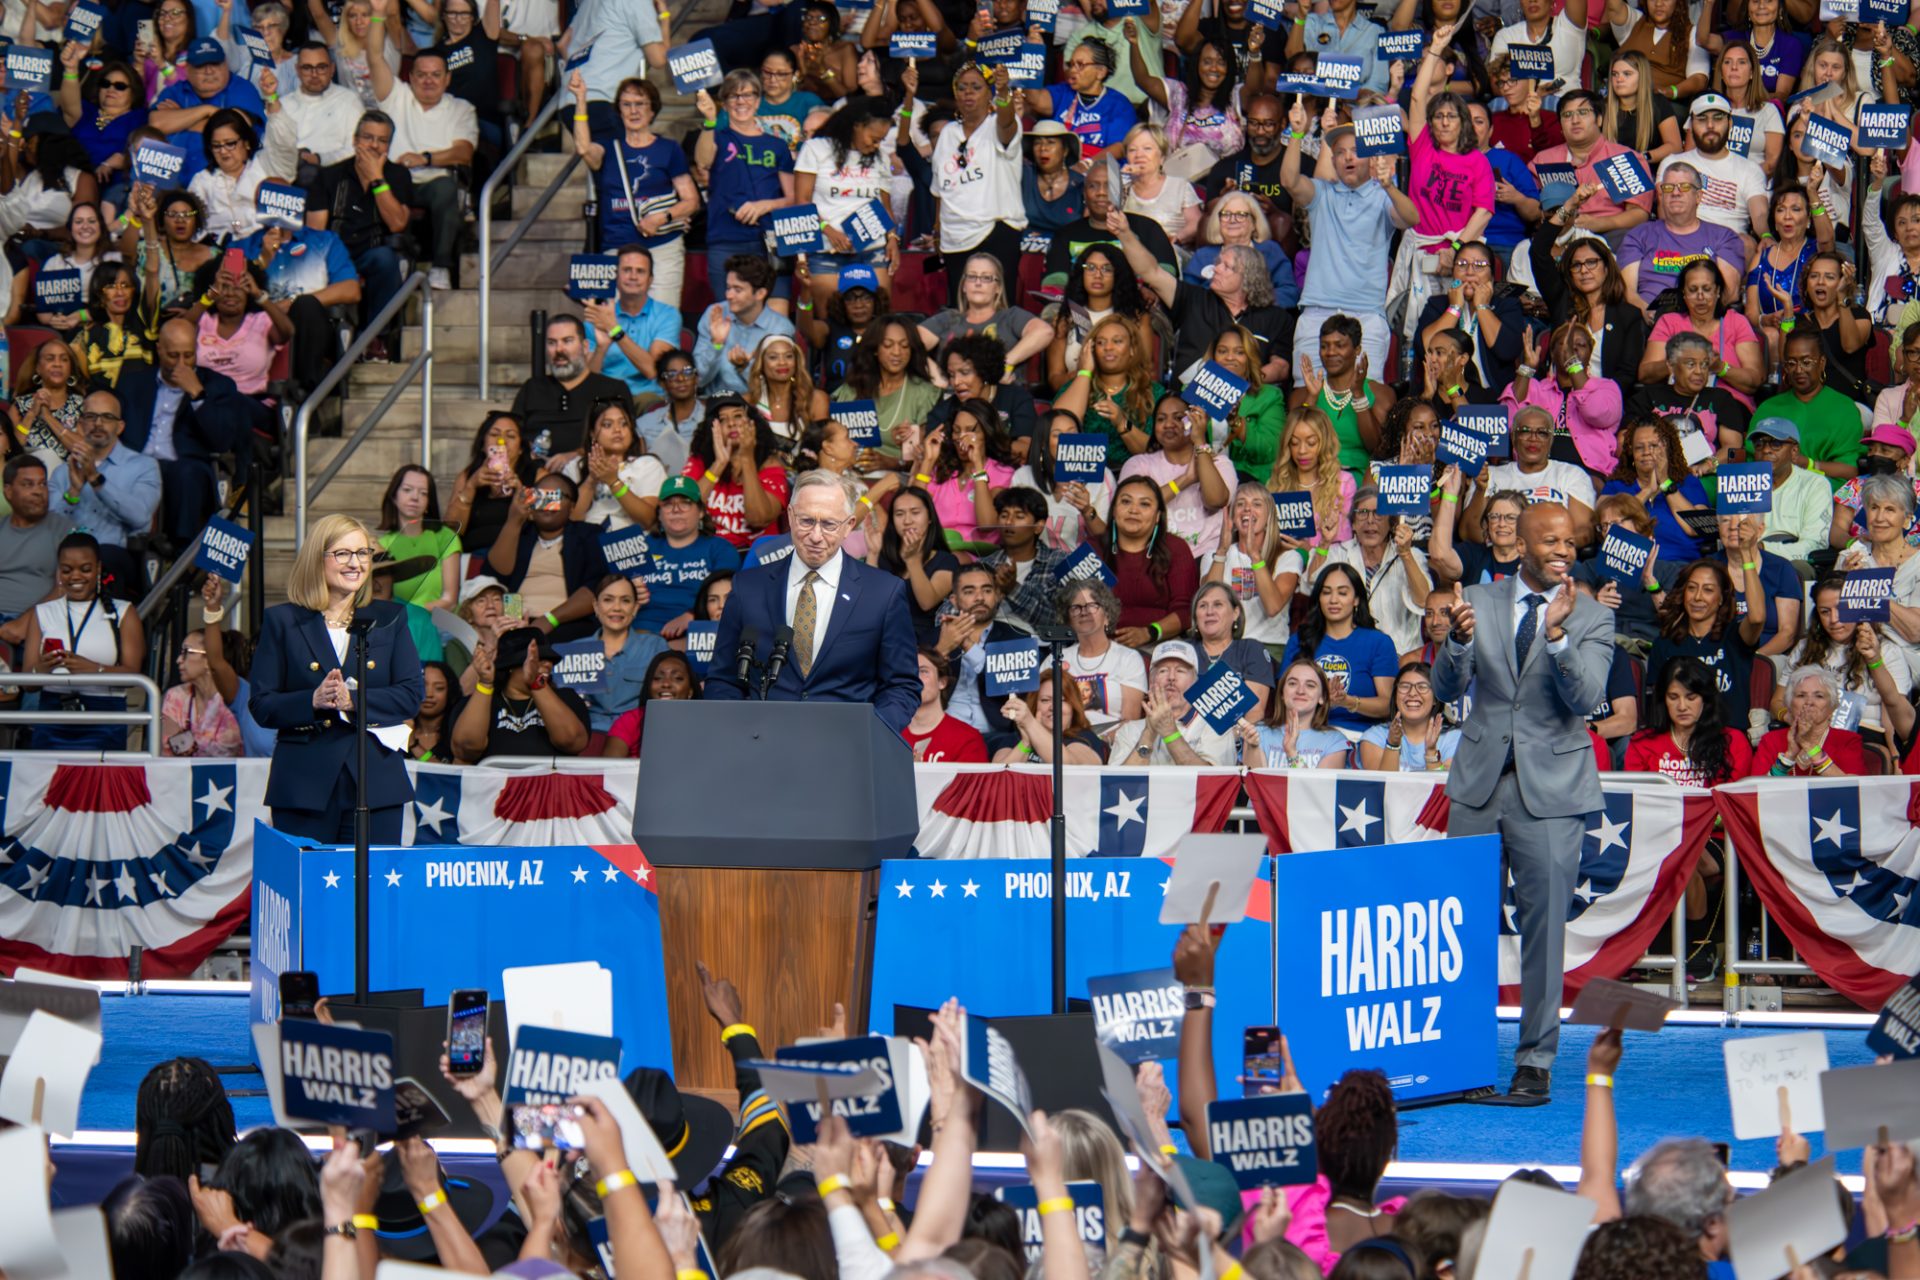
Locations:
{"points": [[1096, 423], [911, 403]]}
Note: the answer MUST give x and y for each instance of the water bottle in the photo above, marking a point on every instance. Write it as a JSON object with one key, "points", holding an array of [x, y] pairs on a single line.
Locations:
{"points": [[543, 445], [1753, 943]]}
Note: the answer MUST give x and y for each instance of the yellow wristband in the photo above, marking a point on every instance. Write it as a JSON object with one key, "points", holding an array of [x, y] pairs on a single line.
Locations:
{"points": [[737, 1029], [866, 502], [710, 477], [836, 1182], [919, 478], [1175, 486], [690, 1273], [1234, 1272], [1603, 1081], [366, 1222], [1059, 1204], [485, 690], [1168, 1149], [614, 1182], [433, 1202], [889, 1242]]}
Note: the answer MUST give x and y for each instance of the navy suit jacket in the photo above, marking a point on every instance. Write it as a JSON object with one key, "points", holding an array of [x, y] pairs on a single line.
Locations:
{"points": [[218, 426], [293, 656], [868, 653]]}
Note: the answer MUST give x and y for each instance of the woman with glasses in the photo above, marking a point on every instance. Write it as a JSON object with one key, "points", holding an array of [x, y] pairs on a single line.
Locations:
{"points": [[160, 63], [1495, 557], [784, 107], [1774, 281], [1393, 570], [471, 38], [1493, 323], [1586, 285], [194, 719], [749, 174], [982, 307], [827, 65], [1532, 469], [165, 248], [1101, 283], [1111, 676], [1738, 360], [977, 164], [1237, 218], [233, 174], [645, 190], [84, 631], [301, 689], [1418, 738], [103, 107], [274, 22], [668, 427], [118, 330]]}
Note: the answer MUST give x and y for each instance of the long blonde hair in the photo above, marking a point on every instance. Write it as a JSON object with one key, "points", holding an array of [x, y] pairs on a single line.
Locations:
{"points": [[307, 583], [1091, 1152], [349, 44], [1849, 81], [1324, 483], [1641, 106]]}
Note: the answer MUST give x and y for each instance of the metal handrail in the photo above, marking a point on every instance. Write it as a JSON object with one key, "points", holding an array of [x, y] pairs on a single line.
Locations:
{"points": [[490, 259], [87, 680], [303, 493]]}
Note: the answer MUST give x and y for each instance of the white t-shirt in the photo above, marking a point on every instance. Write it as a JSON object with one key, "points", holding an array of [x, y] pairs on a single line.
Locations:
{"points": [[1102, 679], [418, 130], [1765, 121], [977, 182], [1698, 63], [1169, 208], [1556, 482], [643, 475], [1262, 627], [229, 201], [1063, 518], [530, 17], [1213, 747], [324, 123], [1731, 180], [1871, 715], [838, 190], [1569, 44]]}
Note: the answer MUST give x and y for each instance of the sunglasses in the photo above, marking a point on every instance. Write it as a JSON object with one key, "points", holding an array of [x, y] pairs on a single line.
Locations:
{"points": [[120, 85]]}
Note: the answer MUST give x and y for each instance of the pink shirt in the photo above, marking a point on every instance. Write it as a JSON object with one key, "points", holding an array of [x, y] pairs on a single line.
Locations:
{"points": [[1733, 329], [1187, 514], [246, 357], [1448, 189], [1590, 415], [1600, 204], [953, 499]]}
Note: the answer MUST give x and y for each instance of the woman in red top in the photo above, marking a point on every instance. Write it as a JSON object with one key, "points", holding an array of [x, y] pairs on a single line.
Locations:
{"points": [[734, 458], [1684, 738], [1155, 573], [669, 677], [1809, 746], [932, 733]]}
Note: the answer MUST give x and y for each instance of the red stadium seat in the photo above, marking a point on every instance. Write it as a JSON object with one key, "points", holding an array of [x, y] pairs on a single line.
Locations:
{"points": [[1760, 692], [507, 71], [696, 294], [1880, 358], [917, 289], [22, 342]]}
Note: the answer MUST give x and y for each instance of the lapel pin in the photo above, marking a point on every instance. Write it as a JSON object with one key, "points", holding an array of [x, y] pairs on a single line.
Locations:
{"points": [[313, 666]]}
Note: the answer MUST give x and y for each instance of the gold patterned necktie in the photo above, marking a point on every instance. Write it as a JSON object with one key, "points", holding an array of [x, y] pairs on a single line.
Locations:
{"points": [[803, 623]]}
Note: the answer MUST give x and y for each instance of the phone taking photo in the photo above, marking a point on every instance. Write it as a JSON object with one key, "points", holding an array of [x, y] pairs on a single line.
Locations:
{"points": [[299, 994], [514, 606], [466, 1032], [552, 1127], [1259, 1062]]}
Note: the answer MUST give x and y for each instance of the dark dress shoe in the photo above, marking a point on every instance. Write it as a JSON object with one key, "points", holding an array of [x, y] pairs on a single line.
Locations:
{"points": [[1531, 1082]]}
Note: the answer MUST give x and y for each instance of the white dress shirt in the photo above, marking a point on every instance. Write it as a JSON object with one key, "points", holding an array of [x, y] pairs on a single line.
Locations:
{"points": [[824, 592], [1520, 593]]}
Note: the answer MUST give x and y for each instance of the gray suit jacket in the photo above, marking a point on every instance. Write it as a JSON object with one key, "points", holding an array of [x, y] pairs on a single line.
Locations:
{"points": [[1539, 712]]}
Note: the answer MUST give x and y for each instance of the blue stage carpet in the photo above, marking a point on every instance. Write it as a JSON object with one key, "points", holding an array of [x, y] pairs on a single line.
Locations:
{"points": [[1670, 1083]]}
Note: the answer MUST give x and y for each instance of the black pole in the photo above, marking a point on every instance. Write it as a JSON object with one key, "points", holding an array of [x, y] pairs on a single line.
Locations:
{"points": [[257, 522], [1058, 823], [362, 824]]}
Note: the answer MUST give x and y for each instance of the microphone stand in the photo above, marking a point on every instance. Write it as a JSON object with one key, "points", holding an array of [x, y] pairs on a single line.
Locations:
{"points": [[1056, 638], [362, 822]]}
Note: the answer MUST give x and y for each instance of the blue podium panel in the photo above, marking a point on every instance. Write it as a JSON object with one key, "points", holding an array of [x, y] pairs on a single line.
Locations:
{"points": [[1386, 957], [452, 916], [981, 929]]}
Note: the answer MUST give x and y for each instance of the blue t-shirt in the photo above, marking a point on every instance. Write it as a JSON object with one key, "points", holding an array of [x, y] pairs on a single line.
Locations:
{"points": [[308, 263], [621, 678], [1313, 744], [1677, 546], [238, 94], [655, 322], [1506, 229], [1364, 653], [744, 170], [1777, 580], [102, 143], [1351, 228], [649, 173], [1100, 125], [674, 575], [1413, 755]]}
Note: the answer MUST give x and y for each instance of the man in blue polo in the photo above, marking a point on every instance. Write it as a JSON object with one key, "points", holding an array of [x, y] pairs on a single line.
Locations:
{"points": [[182, 109], [632, 331]]}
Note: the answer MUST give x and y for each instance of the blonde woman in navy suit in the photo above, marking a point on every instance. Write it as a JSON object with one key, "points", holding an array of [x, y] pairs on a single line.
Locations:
{"points": [[300, 688]]}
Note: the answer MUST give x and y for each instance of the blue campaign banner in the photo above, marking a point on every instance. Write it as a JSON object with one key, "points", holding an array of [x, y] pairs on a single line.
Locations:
{"points": [[1126, 8], [1624, 555], [1401, 46], [1138, 1015], [625, 550], [547, 1065], [1340, 69], [1265, 1141], [694, 66], [1811, 97], [281, 205], [1624, 176], [83, 20], [480, 901], [1027, 68], [258, 52], [873, 1115], [1043, 14], [1080, 459], [1221, 697], [700, 638], [1405, 488], [1884, 125], [796, 230], [867, 226], [1219, 390], [1826, 141], [1402, 939], [1494, 421], [1001, 46], [580, 57], [979, 930], [1894, 13], [1089, 1213], [58, 291], [158, 164], [1463, 447], [1013, 666], [1865, 595], [336, 1075], [1530, 61], [1084, 563], [1293, 514], [913, 44], [224, 547], [592, 277], [1558, 172], [29, 66], [581, 664], [1743, 489], [1380, 131], [861, 418]]}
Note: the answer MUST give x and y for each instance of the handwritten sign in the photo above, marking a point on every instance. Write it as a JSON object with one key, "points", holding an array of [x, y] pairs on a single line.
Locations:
{"points": [[1768, 1073]]}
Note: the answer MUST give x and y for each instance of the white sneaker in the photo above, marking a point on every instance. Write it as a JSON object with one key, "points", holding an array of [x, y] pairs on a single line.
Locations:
{"points": [[439, 278]]}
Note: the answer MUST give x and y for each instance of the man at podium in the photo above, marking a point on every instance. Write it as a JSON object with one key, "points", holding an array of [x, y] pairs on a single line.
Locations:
{"points": [[819, 625]]}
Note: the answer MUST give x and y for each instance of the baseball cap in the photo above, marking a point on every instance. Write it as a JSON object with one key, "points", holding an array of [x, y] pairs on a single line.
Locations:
{"points": [[473, 587], [859, 276], [1891, 434], [513, 646], [1710, 102], [1776, 429], [1175, 649], [680, 487], [205, 52]]}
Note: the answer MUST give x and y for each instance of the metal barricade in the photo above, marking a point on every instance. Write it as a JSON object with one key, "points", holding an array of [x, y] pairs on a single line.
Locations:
{"points": [[150, 717]]}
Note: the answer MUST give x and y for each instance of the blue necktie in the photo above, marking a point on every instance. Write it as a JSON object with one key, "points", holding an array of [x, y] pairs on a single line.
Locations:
{"points": [[1529, 628]]}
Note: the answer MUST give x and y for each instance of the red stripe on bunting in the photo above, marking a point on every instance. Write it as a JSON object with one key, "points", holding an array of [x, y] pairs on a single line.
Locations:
{"points": [[175, 960], [98, 788]]}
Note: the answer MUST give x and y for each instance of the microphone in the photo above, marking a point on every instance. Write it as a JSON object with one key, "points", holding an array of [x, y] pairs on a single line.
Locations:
{"points": [[743, 657], [360, 624], [782, 641]]}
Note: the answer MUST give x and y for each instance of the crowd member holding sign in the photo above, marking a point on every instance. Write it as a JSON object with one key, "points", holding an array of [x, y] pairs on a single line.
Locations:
{"points": [[1872, 676], [1112, 677], [232, 177], [1170, 731], [645, 190], [1887, 508], [623, 656]]}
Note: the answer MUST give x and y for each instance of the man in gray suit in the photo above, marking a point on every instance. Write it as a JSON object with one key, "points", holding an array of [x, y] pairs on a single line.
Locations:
{"points": [[1536, 653]]}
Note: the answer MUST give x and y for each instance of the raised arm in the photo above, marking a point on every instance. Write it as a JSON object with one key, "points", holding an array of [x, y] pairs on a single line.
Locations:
{"points": [[1140, 258], [1193, 966], [1599, 1132]]}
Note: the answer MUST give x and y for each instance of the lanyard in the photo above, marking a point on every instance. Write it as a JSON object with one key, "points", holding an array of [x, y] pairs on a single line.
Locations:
{"points": [[73, 636]]}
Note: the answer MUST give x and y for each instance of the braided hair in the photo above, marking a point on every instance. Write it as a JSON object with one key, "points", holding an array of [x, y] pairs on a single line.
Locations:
{"points": [[1357, 1133], [182, 1120]]}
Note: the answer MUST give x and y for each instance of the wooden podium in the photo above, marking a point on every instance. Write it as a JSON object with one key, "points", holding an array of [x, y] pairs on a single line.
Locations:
{"points": [[774, 887]]}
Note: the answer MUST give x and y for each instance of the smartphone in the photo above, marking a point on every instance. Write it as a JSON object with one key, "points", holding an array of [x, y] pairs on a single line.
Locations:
{"points": [[52, 644], [1259, 1061], [497, 456], [233, 263], [514, 606], [299, 993], [466, 1032], [1723, 1151], [552, 1127], [143, 32]]}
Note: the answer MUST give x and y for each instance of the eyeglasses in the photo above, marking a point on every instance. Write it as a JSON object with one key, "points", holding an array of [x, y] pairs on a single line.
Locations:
{"points": [[228, 145], [1366, 514], [1800, 362], [1235, 215], [347, 555], [1087, 606], [188, 651], [678, 373], [188, 214], [977, 277], [304, 67], [1542, 433], [1097, 268], [1576, 113], [743, 95], [1586, 264], [1676, 188], [1472, 264], [811, 524], [1502, 517], [98, 419]]}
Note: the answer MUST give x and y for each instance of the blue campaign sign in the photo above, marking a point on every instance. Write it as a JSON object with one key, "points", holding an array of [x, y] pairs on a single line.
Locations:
{"points": [[1402, 939], [1556, 172], [1013, 666], [1080, 459], [58, 291], [1043, 14], [1380, 131], [336, 1075], [224, 547], [1138, 1015], [1027, 68], [796, 230], [1624, 555], [989, 1064], [1126, 8], [1894, 13], [1865, 595], [1405, 488], [29, 66], [1740, 135], [873, 1115], [1494, 421], [581, 664], [548, 1065], [1826, 140], [1884, 125], [1089, 1213], [1462, 446], [1271, 14], [1221, 697], [868, 226], [700, 638], [1744, 489], [83, 20], [158, 164], [1084, 563], [1897, 1031], [1293, 514], [1001, 46], [1530, 61], [861, 418], [259, 54], [1811, 97], [592, 277], [1265, 1141], [1342, 69], [479, 901], [695, 66], [913, 44], [625, 550], [1401, 46], [1219, 390], [281, 205], [1624, 176]]}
